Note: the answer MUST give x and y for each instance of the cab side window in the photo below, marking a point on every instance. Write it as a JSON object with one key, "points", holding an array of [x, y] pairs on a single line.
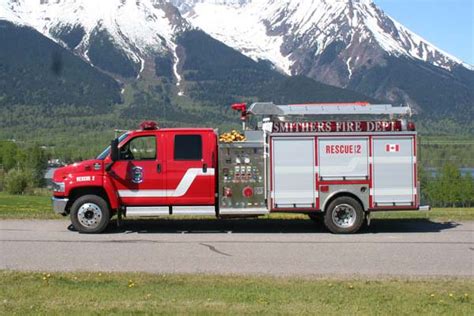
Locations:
{"points": [[188, 147], [139, 148]]}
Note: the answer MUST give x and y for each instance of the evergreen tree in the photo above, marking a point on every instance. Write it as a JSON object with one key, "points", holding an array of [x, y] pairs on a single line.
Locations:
{"points": [[450, 183], [467, 190]]}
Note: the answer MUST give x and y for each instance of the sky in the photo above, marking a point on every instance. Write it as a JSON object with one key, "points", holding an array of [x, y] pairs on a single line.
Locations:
{"points": [[448, 24]]}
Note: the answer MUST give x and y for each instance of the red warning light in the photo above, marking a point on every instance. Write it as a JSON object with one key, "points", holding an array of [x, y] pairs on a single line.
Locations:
{"points": [[242, 108], [148, 125], [411, 126]]}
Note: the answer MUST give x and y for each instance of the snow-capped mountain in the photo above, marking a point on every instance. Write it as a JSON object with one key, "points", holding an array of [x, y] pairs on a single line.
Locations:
{"points": [[137, 30], [351, 44], [141, 53], [290, 33], [347, 43]]}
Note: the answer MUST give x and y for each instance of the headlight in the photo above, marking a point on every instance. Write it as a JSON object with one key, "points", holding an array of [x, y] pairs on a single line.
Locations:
{"points": [[58, 187]]}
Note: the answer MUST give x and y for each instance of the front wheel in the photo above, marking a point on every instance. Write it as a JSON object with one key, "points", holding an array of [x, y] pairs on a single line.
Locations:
{"points": [[90, 214], [344, 215]]}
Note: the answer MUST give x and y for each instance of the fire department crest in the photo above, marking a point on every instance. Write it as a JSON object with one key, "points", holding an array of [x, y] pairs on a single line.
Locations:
{"points": [[137, 175]]}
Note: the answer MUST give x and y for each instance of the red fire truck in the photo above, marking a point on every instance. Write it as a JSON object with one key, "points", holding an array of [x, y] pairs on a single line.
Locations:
{"points": [[323, 160]]}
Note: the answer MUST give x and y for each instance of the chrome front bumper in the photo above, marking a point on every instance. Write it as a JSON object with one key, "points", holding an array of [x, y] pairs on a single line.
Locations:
{"points": [[59, 205]]}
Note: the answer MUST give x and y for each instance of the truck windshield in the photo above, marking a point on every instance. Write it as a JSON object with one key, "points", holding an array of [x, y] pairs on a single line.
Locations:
{"points": [[106, 152]]}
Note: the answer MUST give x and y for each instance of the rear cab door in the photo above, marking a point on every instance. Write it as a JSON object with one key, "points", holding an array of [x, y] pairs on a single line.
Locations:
{"points": [[190, 166]]}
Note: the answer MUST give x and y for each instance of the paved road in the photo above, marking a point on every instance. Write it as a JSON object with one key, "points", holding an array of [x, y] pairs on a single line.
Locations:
{"points": [[276, 247]]}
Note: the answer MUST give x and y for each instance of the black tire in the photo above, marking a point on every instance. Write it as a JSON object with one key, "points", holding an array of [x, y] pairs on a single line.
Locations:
{"points": [[90, 214], [344, 215]]}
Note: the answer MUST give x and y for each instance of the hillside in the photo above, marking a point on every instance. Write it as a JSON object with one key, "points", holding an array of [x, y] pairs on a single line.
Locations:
{"points": [[35, 70]]}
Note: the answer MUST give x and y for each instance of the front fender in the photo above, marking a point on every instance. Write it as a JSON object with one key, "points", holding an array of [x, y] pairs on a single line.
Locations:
{"points": [[109, 188]]}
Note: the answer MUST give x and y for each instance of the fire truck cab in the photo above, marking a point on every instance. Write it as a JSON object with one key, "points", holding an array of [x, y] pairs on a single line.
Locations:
{"points": [[334, 170]]}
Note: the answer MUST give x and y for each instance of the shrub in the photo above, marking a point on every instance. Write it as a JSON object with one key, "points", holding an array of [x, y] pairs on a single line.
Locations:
{"points": [[2, 179], [17, 181]]}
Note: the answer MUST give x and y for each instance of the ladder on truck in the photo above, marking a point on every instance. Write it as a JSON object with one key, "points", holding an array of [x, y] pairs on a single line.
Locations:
{"points": [[269, 109]]}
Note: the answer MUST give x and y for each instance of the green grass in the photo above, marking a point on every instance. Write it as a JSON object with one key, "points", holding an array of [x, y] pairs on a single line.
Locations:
{"points": [[440, 214], [105, 293], [39, 207], [26, 207]]}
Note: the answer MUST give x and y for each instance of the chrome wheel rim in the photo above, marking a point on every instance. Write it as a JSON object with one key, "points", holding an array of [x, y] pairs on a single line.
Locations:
{"points": [[89, 215], [344, 216]]}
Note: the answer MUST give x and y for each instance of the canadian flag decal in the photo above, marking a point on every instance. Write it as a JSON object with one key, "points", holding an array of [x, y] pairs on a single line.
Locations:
{"points": [[392, 148]]}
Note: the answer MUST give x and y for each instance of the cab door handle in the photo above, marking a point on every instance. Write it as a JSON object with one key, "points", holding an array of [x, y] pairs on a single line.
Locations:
{"points": [[158, 168], [204, 168]]}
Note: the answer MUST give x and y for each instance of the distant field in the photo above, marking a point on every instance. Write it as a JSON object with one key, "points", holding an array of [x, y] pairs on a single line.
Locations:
{"points": [[39, 207], [104, 293]]}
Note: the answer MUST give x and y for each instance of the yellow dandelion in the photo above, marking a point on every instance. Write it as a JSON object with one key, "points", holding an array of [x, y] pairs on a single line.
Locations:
{"points": [[432, 295], [451, 295]]}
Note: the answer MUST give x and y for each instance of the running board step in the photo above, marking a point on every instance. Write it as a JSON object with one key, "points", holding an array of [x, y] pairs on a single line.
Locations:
{"points": [[154, 211], [147, 211], [243, 211]]}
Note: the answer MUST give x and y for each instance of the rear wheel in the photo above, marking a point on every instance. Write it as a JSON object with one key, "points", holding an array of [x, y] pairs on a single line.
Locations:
{"points": [[344, 215], [90, 214]]}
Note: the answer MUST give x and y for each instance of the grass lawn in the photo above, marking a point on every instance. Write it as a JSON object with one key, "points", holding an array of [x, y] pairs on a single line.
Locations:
{"points": [[26, 207], [39, 207], [104, 293]]}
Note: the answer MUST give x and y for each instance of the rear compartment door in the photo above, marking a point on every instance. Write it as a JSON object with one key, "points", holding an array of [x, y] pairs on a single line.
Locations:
{"points": [[293, 172], [393, 171], [343, 158]]}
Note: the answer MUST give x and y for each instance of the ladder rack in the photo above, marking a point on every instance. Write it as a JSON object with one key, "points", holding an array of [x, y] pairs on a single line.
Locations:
{"points": [[359, 108]]}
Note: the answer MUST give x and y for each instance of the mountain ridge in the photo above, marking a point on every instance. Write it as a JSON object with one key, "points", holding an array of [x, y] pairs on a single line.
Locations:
{"points": [[349, 44], [341, 43], [320, 20]]}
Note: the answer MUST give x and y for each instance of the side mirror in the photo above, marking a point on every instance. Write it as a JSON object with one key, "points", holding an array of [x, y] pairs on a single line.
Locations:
{"points": [[114, 150]]}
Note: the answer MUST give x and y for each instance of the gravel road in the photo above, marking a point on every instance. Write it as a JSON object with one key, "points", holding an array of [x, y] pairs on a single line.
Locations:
{"points": [[273, 247]]}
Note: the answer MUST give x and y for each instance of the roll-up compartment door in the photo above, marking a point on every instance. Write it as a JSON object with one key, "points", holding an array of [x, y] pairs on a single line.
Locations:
{"points": [[343, 158], [394, 173], [293, 172]]}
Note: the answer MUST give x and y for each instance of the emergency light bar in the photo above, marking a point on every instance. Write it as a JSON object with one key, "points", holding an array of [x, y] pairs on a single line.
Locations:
{"points": [[148, 126], [360, 108]]}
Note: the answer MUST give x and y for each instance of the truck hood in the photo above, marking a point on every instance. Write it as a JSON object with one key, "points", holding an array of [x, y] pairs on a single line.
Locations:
{"points": [[92, 166]]}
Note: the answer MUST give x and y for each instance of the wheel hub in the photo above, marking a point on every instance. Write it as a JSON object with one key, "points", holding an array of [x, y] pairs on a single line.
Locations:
{"points": [[344, 215], [89, 215]]}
